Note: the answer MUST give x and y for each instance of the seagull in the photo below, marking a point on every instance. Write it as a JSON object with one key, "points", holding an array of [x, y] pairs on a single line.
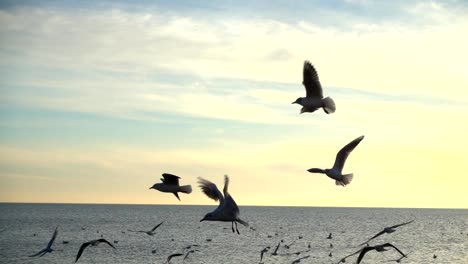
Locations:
{"points": [[48, 249], [170, 183], [314, 96], [276, 249], [227, 210], [91, 243], [150, 232], [263, 252], [299, 259], [378, 248], [190, 251], [335, 172], [173, 255], [329, 236], [387, 230]]}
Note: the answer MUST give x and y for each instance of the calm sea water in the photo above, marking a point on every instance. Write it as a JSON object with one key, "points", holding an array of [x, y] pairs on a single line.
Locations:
{"points": [[26, 228]]}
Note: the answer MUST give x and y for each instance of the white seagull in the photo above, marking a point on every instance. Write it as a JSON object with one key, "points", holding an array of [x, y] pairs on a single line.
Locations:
{"points": [[48, 249], [336, 172], [387, 230], [314, 95], [227, 210], [91, 243], [150, 232], [170, 184]]}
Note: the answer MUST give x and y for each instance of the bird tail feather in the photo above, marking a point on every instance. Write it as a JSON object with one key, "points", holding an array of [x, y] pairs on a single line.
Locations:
{"points": [[345, 180], [328, 105], [186, 188], [244, 223]]}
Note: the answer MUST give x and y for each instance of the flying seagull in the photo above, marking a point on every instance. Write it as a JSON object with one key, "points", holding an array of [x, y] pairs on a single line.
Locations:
{"points": [[378, 248], [91, 243], [387, 230], [276, 249], [48, 249], [299, 259], [227, 210], [190, 251], [263, 252], [150, 232], [314, 95], [170, 184], [336, 172], [173, 255]]}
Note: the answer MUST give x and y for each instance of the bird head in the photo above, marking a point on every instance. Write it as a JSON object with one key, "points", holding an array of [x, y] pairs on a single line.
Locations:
{"points": [[155, 186], [207, 217], [298, 101]]}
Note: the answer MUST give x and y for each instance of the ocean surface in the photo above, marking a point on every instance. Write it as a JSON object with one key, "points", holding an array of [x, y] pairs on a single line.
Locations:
{"points": [[26, 229]]}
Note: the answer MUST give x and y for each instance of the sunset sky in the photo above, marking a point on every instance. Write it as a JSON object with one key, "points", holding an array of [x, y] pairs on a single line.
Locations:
{"points": [[97, 99]]}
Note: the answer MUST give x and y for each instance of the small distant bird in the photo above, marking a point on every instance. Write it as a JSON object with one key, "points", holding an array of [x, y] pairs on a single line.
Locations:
{"points": [[336, 172], [330, 255], [276, 249], [263, 252], [299, 259], [378, 248], [331, 245], [48, 249], [292, 243], [65, 242], [314, 95], [91, 243], [387, 230], [149, 232], [208, 240], [435, 256], [190, 251], [173, 255], [227, 210], [329, 236], [170, 184]]}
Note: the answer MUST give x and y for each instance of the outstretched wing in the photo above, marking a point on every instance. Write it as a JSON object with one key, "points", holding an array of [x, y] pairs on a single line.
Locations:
{"points": [[341, 260], [171, 179], [173, 255], [395, 226], [154, 228], [363, 252], [390, 245], [344, 153], [311, 81], [378, 234], [82, 248], [102, 240], [210, 190], [38, 253], [51, 241]]}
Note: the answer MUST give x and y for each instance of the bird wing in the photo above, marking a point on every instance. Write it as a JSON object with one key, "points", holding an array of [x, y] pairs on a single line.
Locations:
{"points": [[51, 241], [395, 226], [173, 255], [102, 240], [226, 185], [378, 234], [211, 190], [154, 228], [171, 179], [344, 153], [352, 254], [363, 252], [277, 247], [82, 248], [38, 253], [311, 81], [390, 245]]}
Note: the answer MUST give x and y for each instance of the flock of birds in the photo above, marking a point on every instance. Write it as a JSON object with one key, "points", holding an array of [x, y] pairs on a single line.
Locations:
{"points": [[228, 211]]}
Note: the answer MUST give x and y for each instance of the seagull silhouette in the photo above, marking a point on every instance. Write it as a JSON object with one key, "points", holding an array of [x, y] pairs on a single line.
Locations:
{"points": [[170, 184], [314, 95], [227, 210], [190, 251], [173, 255], [378, 248], [263, 252], [336, 172], [48, 249], [91, 243], [299, 259], [387, 230], [276, 249], [150, 232]]}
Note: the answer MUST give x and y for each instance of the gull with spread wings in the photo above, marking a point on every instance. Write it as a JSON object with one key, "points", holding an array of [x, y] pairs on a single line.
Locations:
{"points": [[91, 243], [227, 210], [314, 95], [387, 230], [170, 184], [149, 232], [378, 248], [336, 172], [48, 249]]}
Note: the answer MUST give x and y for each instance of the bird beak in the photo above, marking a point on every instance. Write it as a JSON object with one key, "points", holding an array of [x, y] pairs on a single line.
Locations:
{"points": [[293, 103], [202, 220], [151, 187]]}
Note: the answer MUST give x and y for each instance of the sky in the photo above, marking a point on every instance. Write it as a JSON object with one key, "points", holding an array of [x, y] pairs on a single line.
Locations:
{"points": [[99, 98]]}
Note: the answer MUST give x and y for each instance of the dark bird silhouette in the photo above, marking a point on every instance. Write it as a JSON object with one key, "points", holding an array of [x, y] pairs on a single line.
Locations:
{"points": [[329, 236], [387, 230], [227, 210], [149, 232], [189, 252], [314, 94], [299, 259], [48, 248], [263, 252], [336, 171], [173, 255], [170, 184], [378, 248], [276, 249], [91, 243]]}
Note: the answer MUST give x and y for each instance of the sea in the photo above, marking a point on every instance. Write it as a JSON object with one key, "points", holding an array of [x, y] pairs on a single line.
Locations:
{"points": [[435, 236]]}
